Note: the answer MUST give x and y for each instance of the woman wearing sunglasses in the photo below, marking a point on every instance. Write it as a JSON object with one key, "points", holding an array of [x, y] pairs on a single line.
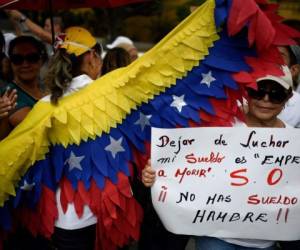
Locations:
{"points": [[264, 105], [26, 55]]}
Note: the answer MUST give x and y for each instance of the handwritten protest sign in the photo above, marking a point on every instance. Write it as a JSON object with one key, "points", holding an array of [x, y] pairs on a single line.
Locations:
{"points": [[228, 182]]}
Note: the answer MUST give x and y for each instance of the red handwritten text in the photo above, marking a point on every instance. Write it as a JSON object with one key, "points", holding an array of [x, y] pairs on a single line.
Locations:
{"points": [[191, 172], [212, 158], [280, 199]]}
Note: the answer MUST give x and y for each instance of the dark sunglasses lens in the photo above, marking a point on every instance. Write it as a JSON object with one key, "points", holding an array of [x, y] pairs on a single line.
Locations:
{"points": [[277, 97], [256, 94], [17, 59], [30, 58]]}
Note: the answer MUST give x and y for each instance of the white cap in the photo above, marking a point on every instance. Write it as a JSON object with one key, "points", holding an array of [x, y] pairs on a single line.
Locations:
{"points": [[119, 40], [285, 81]]}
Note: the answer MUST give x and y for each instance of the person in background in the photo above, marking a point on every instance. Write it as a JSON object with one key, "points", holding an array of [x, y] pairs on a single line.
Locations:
{"points": [[8, 98], [264, 106], [58, 25], [6, 74], [291, 113], [2, 57], [125, 43], [26, 55], [291, 56], [43, 33], [115, 58]]}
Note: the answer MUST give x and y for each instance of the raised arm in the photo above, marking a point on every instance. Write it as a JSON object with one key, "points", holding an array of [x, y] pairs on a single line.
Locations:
{"points": [[33, 27]]}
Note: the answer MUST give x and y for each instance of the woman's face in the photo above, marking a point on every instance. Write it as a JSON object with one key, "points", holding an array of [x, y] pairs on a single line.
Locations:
{"points": [[97, 65], [268, 101], [26, 62]]}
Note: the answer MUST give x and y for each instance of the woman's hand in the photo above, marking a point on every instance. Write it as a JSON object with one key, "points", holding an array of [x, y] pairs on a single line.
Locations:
{"points": [[7, 102], [148, 175], [14, 14]]}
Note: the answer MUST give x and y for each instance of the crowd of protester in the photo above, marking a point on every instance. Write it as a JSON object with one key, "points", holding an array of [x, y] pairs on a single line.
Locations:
{"points": [[24, 79]]}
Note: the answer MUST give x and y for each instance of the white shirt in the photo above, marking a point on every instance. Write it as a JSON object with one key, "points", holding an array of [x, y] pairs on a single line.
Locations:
{"points": [[291, 113], [76, 84], [70, 220]]}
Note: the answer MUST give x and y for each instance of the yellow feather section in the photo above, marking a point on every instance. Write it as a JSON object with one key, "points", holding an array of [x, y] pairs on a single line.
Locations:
{"points": [[104, 103]]}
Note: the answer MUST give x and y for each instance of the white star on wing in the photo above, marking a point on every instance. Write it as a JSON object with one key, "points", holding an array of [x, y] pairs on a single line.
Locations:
{"points": [[115, 146], [143, 121], [178, 102], [207, 78], [74, 161], [27, 187]]}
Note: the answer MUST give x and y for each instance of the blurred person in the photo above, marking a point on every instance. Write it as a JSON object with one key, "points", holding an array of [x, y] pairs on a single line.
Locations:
{"points": [[291, 56], [2, 57], [5, 67], [43, 33], [115, 58], [291, 112], [8, 98], [8, 36], [264, 106], [125, 43], [26, 55], [58, 25], [2, 44]]}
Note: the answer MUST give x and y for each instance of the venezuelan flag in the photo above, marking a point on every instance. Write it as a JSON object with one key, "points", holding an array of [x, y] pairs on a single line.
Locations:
{"points": [[86, 145]]}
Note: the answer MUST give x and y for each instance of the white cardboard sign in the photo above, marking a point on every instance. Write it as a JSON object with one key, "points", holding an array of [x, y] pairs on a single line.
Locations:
{"points": [[228, 182]]}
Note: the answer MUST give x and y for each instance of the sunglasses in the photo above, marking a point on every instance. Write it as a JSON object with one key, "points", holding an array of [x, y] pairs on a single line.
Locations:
{"points": [[276, 96], [30, 58]]}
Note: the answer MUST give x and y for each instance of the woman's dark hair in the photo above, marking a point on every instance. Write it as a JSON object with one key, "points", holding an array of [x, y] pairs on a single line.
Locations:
{"points": [[115, 58], [2, 47], [292, 56], [2, 41], [8, 74], [40, 47]]}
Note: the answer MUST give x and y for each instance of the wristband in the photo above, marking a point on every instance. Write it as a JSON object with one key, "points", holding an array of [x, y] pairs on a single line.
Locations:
{"points": [[23, 19]]}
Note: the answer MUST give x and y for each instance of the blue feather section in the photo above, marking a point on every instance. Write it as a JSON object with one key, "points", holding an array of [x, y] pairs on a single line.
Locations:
{"points": [[5, 217]]}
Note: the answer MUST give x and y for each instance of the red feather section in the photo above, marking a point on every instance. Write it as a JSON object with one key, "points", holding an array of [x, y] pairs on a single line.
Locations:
{"points": [[268, 62], [264, 24], [225, 111], [119, 215], [3, 237], [41, 220]]}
